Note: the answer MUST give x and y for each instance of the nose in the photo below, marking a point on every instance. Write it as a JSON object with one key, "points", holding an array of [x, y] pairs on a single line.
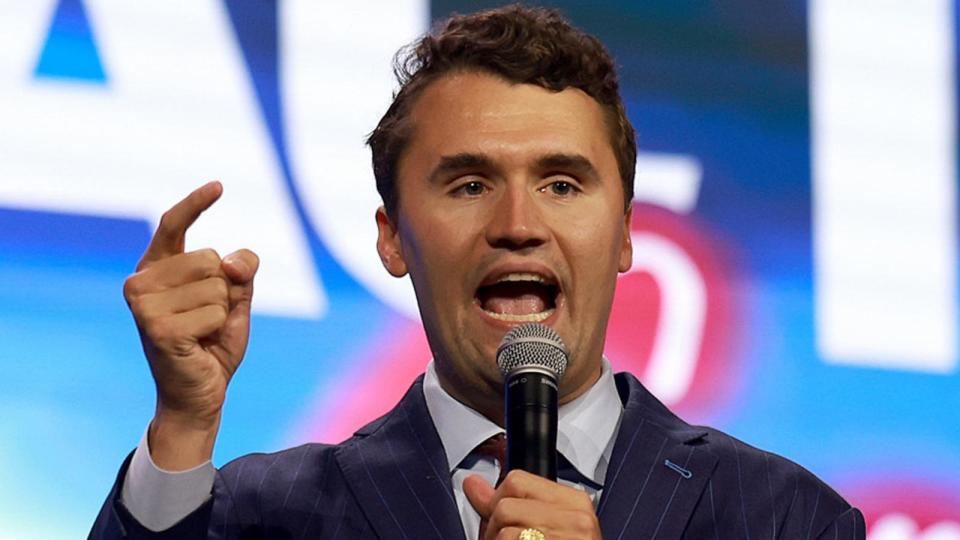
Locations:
{"points": [[516, 221]]}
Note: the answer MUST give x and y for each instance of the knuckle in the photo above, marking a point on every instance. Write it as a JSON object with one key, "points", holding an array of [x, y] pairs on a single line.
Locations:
{"points": [[218, 294], [223, 312], [512, 483], [159, 329], [210, 257], [137, 307], [222, 289], [164, 226], [505, 508], [131, 288], [582, 520]]}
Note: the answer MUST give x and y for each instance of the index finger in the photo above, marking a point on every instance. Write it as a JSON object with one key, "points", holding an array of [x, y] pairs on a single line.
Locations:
{"points": [[169, 239], [524, 485]]}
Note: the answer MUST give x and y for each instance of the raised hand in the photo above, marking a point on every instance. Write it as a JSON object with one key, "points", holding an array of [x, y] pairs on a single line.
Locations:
{"points": [[193, 314]]}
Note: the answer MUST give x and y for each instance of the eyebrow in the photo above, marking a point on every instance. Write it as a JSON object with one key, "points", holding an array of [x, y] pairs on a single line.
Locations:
{"points": [[459, 162], [575, 163]]}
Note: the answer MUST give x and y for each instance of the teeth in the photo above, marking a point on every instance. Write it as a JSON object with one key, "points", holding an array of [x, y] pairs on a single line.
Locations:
{"points": [[522, 277], [532, 317]]}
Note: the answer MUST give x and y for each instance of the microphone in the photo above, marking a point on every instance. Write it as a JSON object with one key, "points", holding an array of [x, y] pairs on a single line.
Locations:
{"points": [[532, 359]]}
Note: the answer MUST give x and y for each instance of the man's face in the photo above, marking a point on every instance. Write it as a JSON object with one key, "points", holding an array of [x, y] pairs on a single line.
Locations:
{"points": [[510, 211]]}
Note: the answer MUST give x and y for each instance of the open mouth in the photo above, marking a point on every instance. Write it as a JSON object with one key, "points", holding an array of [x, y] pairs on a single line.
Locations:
{"points": [[519, 297]]}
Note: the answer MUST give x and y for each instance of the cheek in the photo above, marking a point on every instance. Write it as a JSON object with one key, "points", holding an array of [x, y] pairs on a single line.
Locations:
{"points": [[595, 247], [435, 254]]}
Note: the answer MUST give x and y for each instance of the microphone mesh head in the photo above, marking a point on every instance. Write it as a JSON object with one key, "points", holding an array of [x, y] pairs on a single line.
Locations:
{"points": [[532, 345]]}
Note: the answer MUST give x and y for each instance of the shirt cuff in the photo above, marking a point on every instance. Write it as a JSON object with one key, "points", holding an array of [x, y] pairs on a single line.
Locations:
{"points": [[159, 499]]}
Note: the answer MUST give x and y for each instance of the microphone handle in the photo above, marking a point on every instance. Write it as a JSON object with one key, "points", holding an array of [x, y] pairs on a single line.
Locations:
{"points": [[531, 422]]}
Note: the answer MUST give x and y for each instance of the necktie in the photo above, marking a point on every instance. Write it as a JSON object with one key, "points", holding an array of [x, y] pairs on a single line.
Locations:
{"points": [[495, 447]]}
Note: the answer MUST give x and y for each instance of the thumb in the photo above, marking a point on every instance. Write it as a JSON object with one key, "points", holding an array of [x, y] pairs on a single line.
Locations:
{"points": [[480, 494], [240, 266]]}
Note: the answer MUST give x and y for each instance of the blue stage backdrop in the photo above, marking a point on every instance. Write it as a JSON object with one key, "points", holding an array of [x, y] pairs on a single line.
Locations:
{"points": [[795, 230]]}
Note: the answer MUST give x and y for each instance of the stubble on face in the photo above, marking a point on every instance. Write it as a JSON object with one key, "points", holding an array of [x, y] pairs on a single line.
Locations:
{"points": [[510, 207]]}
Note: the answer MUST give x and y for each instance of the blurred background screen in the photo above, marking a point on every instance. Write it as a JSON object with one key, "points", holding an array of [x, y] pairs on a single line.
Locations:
{"points": [[795, 230]]}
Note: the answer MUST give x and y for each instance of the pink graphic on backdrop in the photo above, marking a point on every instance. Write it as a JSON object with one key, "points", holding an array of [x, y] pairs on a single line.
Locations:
{"points": [[908, 509], [380, 375], [635, 322]]}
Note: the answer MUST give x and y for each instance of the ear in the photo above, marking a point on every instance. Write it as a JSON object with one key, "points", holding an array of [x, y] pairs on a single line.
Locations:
{"points": [[626, 249], [388, 245]]}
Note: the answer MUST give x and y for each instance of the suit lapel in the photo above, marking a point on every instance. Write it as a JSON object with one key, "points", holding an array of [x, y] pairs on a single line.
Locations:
{"points": [[398, 472], [658, 469]]}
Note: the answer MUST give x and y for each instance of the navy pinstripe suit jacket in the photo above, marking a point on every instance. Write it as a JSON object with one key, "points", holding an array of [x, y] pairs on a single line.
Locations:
{"points": [[391, 480]]}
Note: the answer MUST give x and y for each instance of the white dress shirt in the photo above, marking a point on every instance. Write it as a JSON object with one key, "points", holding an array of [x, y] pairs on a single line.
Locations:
{"points": [[586, 432], [587, 429]]}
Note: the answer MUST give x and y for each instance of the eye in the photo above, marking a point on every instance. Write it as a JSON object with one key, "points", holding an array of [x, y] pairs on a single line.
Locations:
{"points": [[472, 188], [561, 188]]}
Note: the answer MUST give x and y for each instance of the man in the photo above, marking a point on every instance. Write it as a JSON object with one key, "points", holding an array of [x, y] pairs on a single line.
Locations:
{"points": [[505, 164]]}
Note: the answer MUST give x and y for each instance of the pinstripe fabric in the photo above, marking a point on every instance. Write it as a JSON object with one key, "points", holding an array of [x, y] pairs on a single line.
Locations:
{"points": [[666, 479], [733, 490], [642, 496], [392, 469]]}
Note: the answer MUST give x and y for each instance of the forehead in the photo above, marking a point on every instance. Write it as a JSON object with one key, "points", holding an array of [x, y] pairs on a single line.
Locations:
{"points": [[482, 113]]}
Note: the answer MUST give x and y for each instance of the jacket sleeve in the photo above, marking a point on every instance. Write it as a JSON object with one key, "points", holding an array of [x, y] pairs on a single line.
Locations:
{"points": [[848, 525], [817, 511]]}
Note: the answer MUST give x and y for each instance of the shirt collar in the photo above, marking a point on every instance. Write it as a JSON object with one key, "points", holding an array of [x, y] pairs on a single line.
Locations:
{"points": [[587, 426]]}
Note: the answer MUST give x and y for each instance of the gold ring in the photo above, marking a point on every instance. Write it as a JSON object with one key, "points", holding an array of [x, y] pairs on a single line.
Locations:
{"points": [[531, 534]]}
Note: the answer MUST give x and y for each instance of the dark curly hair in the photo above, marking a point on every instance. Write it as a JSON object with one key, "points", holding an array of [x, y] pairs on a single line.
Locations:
{"points": [[520, 44]]}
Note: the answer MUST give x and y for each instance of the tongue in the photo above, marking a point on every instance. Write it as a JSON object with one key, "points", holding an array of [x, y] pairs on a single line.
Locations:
{"points": [[523, 304]]}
